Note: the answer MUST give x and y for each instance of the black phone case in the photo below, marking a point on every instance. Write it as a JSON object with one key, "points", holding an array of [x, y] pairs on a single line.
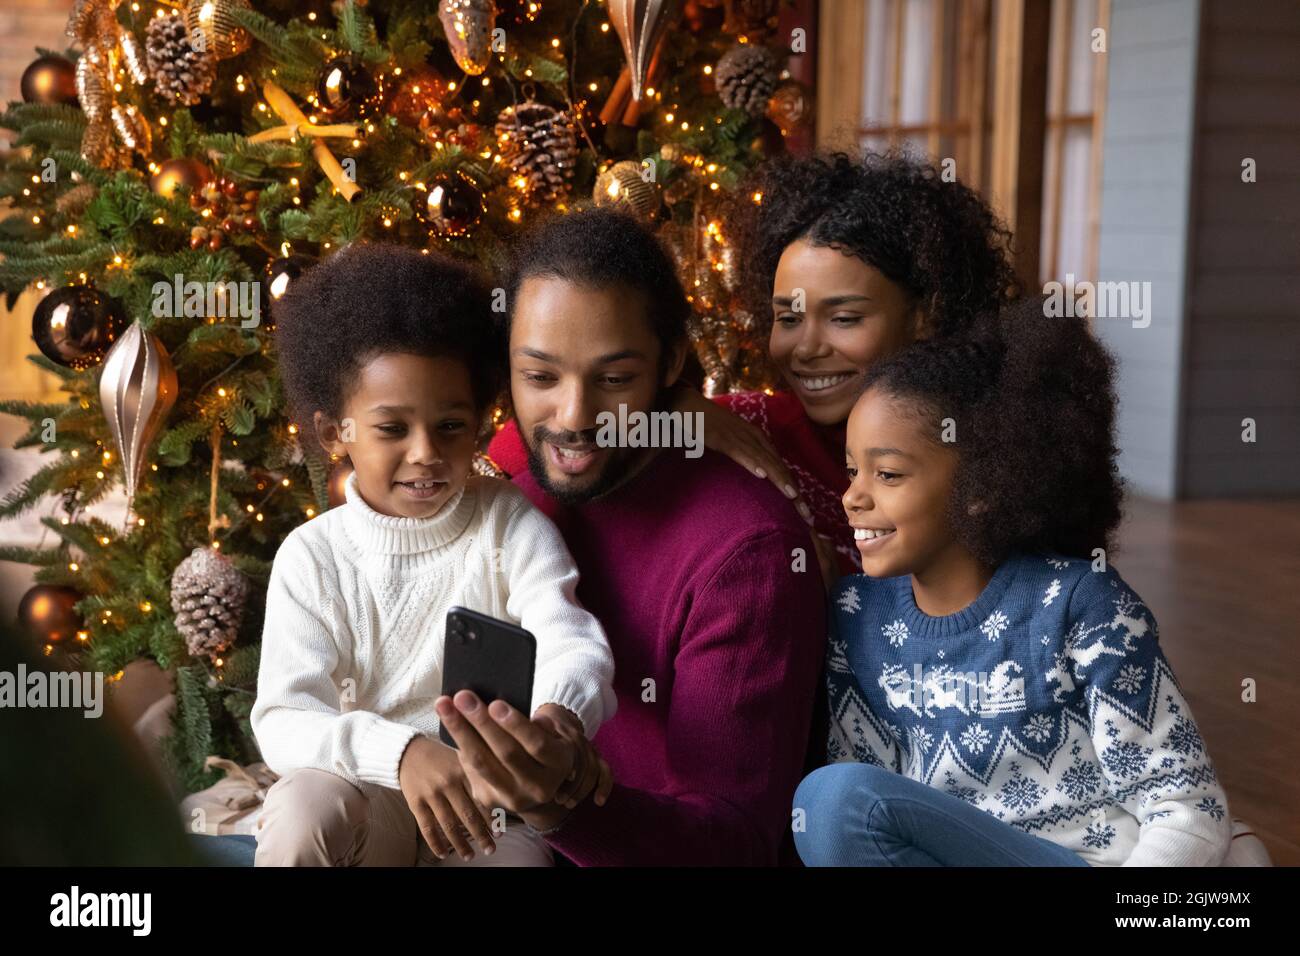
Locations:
{"points": [[494, 659]]}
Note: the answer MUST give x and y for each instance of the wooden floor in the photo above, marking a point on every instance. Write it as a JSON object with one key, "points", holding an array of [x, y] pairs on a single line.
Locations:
{"points": [[1223, 580]]}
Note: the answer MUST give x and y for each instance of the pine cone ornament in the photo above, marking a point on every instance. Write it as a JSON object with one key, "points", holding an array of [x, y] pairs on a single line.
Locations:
{"points": [[208, 598], [541, 146], [746, 78], [181, 73]]}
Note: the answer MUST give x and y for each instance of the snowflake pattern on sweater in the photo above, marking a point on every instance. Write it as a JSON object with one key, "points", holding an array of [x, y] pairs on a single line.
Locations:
{"points": [[1047, 702]]}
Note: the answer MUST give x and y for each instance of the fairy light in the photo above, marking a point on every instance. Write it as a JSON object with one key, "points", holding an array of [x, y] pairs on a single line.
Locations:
{"points": [[311, 512], [708, 70], [146, 607], [293, 429], [604, 28], [162, 121], [757, 198], [73, 566], [36, 220]]}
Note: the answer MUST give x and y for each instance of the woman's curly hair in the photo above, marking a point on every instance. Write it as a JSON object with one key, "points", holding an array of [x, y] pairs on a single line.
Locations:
{"points": [[373, 298], [1032, 399], [938, 240]]}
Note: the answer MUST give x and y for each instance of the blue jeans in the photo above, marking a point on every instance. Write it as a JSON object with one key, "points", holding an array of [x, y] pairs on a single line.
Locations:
{"points": [[860, 815]]}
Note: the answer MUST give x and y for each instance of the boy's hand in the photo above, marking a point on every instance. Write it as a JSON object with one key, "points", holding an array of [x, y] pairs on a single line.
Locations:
{"points": [[437, 792], [590, 771]]}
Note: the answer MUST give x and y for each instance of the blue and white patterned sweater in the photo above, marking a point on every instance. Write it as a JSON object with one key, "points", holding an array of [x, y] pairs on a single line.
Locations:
{"points": [[1047, 703]]}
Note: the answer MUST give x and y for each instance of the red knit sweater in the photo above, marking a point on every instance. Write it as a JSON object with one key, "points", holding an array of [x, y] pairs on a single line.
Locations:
{"points": [[718, 644]]}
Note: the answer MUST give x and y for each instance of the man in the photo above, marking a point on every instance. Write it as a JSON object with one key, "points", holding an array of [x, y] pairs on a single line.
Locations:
{"points": [[703, 576]]}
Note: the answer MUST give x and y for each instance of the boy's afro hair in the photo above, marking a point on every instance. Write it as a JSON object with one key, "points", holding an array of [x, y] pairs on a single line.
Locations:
{"points": [[374, 298], [1033, 403], [938, 240]]}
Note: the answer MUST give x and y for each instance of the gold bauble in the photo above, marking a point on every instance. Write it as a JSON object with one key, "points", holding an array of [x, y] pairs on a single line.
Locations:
{"points": [[624, 187], [220, 30], [180, 172]]}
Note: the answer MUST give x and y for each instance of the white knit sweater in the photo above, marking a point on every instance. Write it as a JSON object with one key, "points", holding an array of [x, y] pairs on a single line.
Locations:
{"points": [[355, 616]]}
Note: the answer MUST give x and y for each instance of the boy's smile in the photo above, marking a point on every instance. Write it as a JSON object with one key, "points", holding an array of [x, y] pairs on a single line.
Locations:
{"points": [[409, 427]]}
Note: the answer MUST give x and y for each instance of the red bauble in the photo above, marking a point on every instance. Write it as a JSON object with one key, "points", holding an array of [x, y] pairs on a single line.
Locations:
{"points": [[420, 92]]}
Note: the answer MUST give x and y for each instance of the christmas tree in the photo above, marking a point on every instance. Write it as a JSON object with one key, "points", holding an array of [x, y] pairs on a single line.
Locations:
{"points": [[176, 168]]}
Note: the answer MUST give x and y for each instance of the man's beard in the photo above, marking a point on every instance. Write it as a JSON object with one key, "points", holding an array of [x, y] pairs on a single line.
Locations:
{"points": [[620, 461]]}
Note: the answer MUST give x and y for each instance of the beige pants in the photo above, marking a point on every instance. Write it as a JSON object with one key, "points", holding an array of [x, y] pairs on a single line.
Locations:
{"points": [[316, 818]]}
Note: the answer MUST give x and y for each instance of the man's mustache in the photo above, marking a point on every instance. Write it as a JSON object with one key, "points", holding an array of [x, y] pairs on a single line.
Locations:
{"points": [[564, 438]]}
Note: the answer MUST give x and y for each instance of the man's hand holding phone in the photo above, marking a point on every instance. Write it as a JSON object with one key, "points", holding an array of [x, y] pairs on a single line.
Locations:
{"points": [[439, 795], [590, 771]]}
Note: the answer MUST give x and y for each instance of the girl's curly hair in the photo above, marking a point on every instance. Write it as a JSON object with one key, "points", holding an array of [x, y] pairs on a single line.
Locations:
{"points": [[1032, 399], [938, 240]]}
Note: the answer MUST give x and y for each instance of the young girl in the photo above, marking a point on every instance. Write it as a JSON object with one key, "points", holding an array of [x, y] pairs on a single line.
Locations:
{"points": [[388, 354], [998, 695], [844, 262]]}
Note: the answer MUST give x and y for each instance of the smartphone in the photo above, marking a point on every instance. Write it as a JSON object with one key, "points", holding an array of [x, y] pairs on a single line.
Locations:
{"points": [[495, 659]]}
